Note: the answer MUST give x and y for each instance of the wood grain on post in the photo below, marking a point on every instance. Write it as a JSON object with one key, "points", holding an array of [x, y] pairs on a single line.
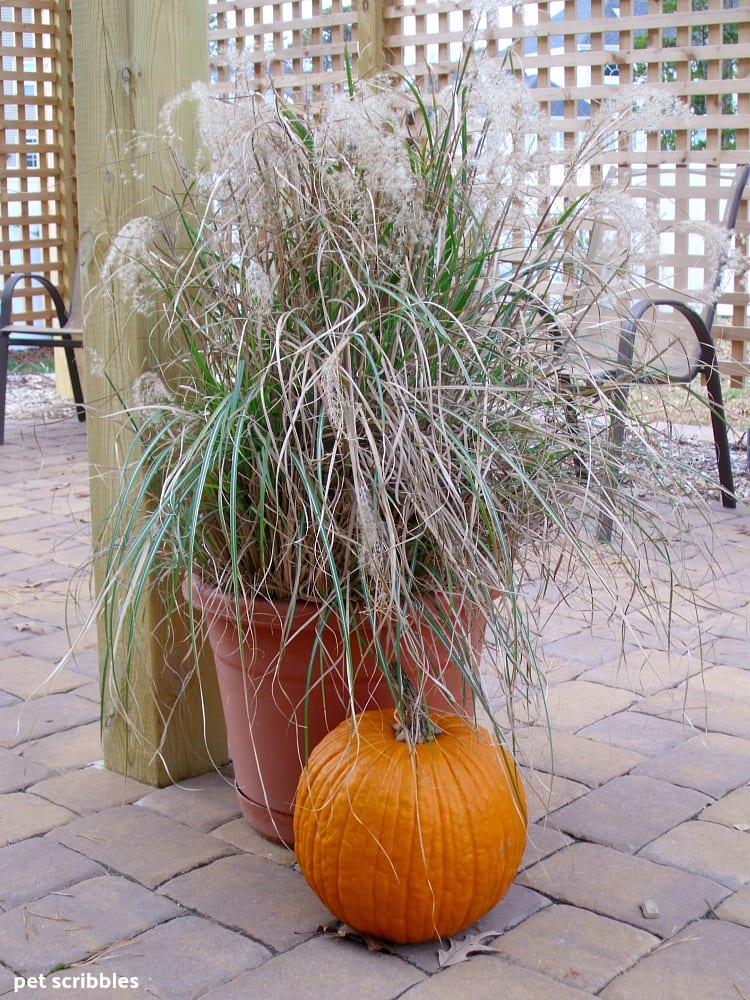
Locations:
{"points": [[130, 57], [370, 33]]}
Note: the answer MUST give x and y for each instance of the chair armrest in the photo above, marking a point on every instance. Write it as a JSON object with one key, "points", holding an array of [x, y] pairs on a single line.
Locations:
{"points": [[6, 302], [707, 366], [638, 309]]}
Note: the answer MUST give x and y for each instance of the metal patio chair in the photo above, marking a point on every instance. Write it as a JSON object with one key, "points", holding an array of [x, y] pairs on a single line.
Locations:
{"points": [[664, 340], [68, 334]]}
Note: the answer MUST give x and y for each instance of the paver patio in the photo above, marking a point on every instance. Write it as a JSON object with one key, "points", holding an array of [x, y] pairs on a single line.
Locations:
{"points": [[110, 888]]}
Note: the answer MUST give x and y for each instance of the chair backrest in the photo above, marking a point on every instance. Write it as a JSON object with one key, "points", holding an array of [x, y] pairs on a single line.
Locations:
{"points": [[729, 222], [664, 343]]}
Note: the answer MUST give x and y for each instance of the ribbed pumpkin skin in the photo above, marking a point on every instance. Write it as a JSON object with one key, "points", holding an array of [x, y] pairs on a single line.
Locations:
{"points": [[409, 845]]}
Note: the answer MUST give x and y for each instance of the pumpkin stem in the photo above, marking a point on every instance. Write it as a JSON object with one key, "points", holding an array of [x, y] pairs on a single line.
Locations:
{"points": [[413, 723]]}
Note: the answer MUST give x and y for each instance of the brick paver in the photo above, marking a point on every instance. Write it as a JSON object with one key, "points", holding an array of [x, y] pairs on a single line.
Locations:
{"points": [[66, 927], [572, 756], [645, 671], [707, 848], [546, 793], [578, 703], [26, 815], [336, 970], [727, 699], [68, 749], [184, 957], [274, 904], [637, 731], [709, 762], [240, 834], [515, 906], [32, 720], [90, 789], [140, 843], [542, 840], [34, 867], [707, 959], [27, 677], [202, 803], [633, 807], [575, 946], [485, 978], [736, 907], [17, 773], [695, 706], [604, 880], [731, 810], [629, 811]]}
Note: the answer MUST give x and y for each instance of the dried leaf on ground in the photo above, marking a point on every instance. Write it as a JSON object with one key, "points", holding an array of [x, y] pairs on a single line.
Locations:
{"points": [[32, 627], [338, 929], [472, 944]]}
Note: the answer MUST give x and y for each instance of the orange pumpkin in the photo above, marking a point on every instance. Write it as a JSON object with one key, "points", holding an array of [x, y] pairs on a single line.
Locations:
{"points": [[409, 842]]}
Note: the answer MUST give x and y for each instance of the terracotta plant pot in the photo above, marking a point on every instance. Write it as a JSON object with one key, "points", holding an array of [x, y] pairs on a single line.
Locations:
{"points": [[279, 704]]}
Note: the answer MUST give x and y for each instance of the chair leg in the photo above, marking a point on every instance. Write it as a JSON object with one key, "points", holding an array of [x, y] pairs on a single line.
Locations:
{"points": [[619, 401], [4, 347], [75, 381], [719, 427], [572, 426]]}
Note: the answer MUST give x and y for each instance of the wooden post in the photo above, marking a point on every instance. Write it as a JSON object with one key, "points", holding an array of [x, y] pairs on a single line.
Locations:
{"points": [[66, 180], [371, 33], [130, 57]]}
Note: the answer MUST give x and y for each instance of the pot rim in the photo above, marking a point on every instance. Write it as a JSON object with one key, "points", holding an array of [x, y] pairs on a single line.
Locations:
{"points": [[218, 605]]}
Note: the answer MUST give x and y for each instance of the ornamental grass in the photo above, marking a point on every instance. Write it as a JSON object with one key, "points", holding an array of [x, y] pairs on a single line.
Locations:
{"points": [[364, 315]]}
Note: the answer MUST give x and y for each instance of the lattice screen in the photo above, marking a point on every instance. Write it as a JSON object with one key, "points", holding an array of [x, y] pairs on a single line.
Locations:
{"points": [[571, 53], [300, 45], [34, 143]]}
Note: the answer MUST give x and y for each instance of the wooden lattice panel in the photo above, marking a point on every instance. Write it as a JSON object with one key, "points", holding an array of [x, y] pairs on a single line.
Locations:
{"points": [[299, 45], [424, 39], [684, 197], [31, 216], [571, 54]]}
